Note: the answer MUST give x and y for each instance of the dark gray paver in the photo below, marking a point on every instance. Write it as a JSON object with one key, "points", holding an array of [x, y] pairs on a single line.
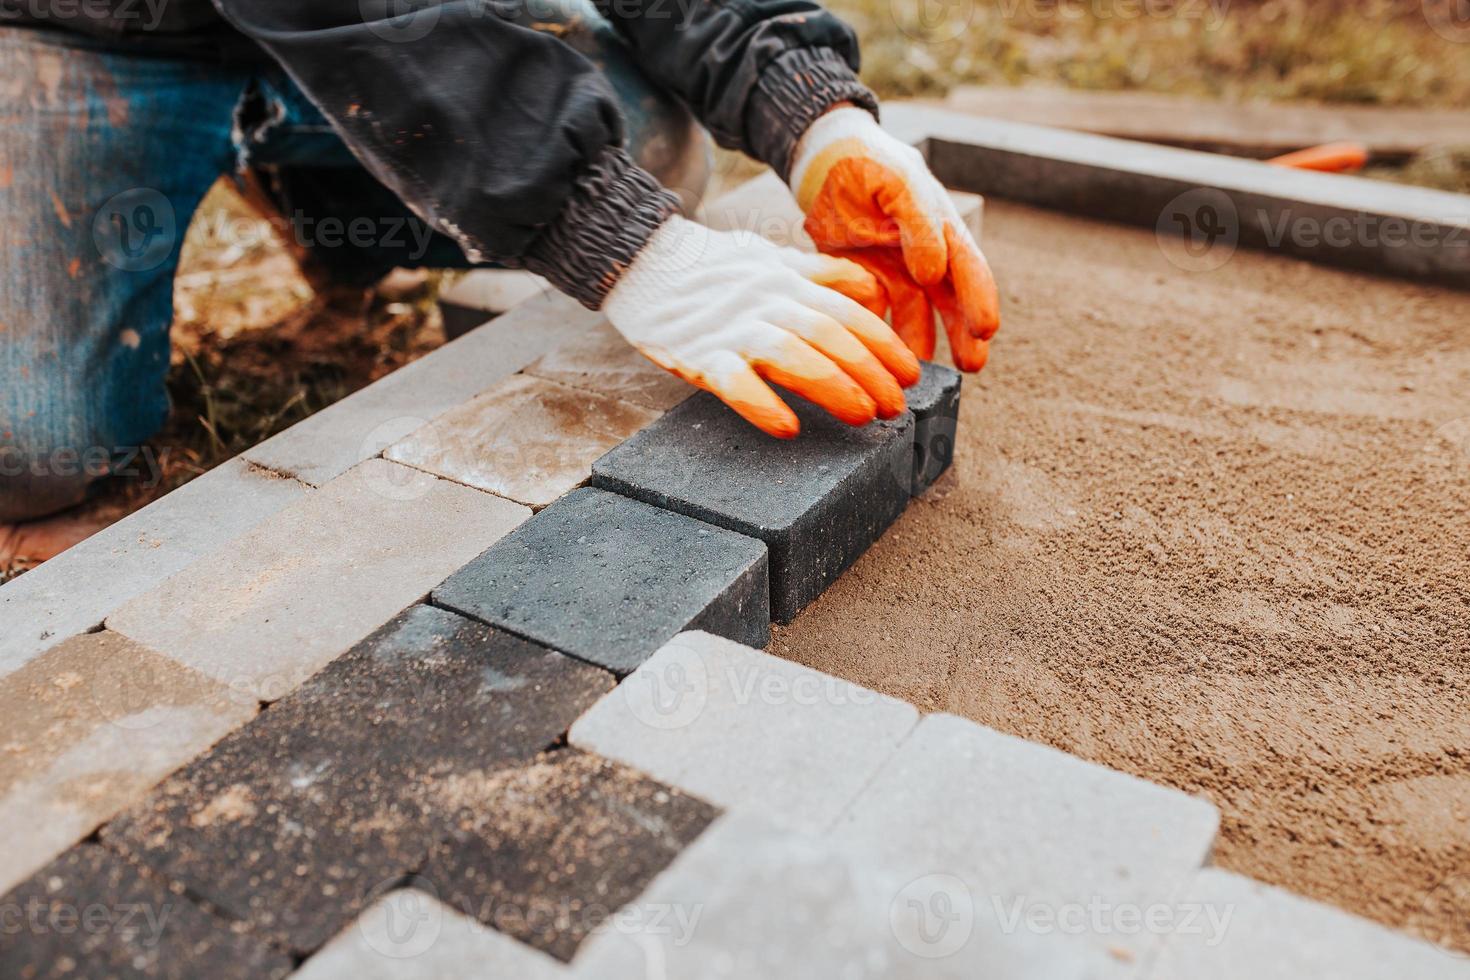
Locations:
{"points": [[296, 821], [817, 501], [610, 580], [935, 402], [548, 851], [91, 914]]}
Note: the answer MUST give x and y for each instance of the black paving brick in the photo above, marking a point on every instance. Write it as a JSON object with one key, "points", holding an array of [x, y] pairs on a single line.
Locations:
{"points": [[91, 914], [293, 823], [817, 501], [935, 402], [610, 580], [547, 851]]}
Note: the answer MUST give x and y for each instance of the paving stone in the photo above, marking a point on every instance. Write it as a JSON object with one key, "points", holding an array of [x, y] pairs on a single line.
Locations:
{"points": [[610, 580], [307, 584], [527, 439], [601, 360], [817, 501], [1036, 833], [744, 729], [935, 402], [297, 821], [91, 725], [1243, 928], [1410, 232], [363, 424], [749, 900], [91, 914], [75, 591], [546, 852], [410, 935], [479, 295]]}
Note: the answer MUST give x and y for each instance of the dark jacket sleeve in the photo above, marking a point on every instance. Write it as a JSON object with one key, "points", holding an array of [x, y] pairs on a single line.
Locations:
{"points": [[509, 141], [502, 137], [757, 73]]}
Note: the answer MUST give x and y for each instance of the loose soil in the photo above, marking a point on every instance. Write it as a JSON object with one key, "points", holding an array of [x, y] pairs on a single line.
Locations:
{"points": [[1212, 529]]}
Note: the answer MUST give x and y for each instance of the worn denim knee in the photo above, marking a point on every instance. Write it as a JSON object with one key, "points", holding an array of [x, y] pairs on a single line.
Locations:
{"points": [[105, 164]]}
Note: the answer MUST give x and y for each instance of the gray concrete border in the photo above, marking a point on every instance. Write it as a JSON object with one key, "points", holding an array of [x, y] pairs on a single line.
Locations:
{"points": [[1218, 203]]}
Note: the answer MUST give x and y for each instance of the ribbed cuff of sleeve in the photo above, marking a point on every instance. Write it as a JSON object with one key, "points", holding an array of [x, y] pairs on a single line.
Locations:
{"points": [[792, 92], [614, 208]]}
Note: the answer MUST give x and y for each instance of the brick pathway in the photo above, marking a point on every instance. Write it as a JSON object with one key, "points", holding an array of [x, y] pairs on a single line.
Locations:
{"points": [[390, 699]]}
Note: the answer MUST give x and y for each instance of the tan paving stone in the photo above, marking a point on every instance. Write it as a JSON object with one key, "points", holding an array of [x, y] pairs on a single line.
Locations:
{"points": [[526, 439], [321, 575], [90, 726], [76, 590], [327, 444], [602, 361]]}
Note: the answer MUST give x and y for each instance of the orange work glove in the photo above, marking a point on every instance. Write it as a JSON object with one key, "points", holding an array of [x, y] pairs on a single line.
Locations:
{"points": [[871, 198]]}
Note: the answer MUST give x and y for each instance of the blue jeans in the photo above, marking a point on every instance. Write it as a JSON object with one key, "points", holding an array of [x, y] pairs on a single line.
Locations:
{"points": [[103, 160]]}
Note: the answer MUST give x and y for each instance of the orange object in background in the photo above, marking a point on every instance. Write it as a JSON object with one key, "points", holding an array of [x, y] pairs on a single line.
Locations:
{"points": [[1333, 158]]}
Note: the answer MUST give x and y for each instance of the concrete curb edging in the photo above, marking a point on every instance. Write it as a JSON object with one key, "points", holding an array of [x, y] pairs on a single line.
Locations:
{"points": [[1219, 202]]}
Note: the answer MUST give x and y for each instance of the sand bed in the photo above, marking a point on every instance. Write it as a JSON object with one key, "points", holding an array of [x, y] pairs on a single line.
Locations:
{"points": [[1212, 529]]}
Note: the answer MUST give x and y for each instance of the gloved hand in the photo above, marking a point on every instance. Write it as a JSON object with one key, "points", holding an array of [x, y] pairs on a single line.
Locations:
{"points": [[870, 198], [723, 310]]}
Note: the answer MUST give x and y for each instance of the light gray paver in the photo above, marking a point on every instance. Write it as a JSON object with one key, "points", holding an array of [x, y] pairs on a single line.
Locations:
{"points": [[744, 729], [601, 360], [318, 577], [364, 423], [1332, 219], [90, 726], [75, 591], [526, 439], [750, 900], [410, 935], [1034, 832], [1248, 929]]}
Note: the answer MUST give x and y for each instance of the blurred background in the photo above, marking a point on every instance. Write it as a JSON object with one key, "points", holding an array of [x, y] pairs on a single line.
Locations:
{"points": [[256, 348]]}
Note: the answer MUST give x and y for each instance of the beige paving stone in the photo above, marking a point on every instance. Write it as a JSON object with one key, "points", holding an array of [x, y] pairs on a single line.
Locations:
{"points": [[75, 591], [358, 427], [602, 361], [494, 290], [410, 935], [526, 439], [306, 585], [90, 726], [1242, 928]]}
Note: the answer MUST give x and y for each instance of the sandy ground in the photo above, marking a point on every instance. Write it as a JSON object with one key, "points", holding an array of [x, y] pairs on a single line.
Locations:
{"points": [[1212, 529]]}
